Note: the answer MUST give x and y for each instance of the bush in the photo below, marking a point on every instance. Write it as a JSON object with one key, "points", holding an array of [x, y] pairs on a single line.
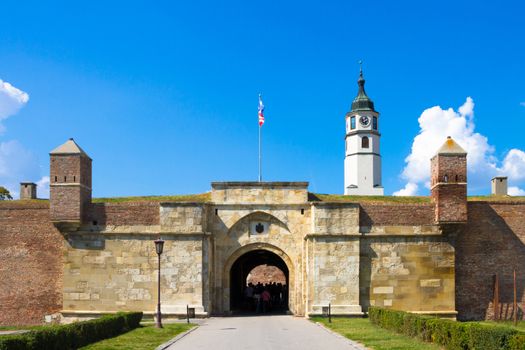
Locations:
{"points": [[452, 335], [73, 336], [517, 342], [489, 337]]}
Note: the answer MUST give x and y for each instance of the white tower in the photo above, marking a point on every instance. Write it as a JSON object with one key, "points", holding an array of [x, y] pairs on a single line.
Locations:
{"points": [[362, 156]]}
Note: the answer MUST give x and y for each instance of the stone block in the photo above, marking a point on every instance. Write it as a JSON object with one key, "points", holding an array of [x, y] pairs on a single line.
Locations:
{"points": [[430, 283], [383, 290]]}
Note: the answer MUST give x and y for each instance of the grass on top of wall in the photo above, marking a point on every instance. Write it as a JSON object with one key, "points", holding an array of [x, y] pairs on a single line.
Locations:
{"points": [[201, 197], [321, 197]]}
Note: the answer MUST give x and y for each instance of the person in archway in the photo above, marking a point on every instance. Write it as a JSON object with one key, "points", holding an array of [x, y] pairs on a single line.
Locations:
{"points": [[265, 296], [248, 296]]}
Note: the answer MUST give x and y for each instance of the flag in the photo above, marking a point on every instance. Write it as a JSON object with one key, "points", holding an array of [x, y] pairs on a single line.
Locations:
{"points": [[261, 111]]}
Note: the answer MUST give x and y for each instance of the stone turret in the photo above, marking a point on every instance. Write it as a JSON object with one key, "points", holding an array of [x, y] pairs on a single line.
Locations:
{"points": [[70, 185], [449, 183], [27, 190]]}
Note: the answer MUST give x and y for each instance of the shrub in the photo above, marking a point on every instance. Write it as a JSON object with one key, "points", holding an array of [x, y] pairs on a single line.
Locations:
{"points": [[452, 335], [489, 337], [73, 336], [517, 342]]}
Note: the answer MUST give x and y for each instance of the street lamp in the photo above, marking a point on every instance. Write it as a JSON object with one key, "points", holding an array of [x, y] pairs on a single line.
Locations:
{"points": [[159, 245]]}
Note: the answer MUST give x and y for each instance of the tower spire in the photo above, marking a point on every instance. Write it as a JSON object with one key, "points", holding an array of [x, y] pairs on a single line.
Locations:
{"points": [[362, 101]]}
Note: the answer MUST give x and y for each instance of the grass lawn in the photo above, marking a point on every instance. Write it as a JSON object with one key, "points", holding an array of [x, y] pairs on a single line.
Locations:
{"points": [[144, 337], [363, 331], [15, 328]]}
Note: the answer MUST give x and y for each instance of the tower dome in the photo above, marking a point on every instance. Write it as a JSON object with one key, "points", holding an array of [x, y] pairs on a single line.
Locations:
{"points": [[362, 102]]}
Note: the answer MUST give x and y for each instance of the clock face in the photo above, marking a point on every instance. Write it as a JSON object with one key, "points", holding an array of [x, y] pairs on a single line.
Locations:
{"points": [[364, 120]]}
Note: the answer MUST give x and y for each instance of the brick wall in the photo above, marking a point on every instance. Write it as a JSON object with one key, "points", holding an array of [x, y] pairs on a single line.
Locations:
{"points": [[492, 242], [138, 213], [30, 263], [451, 202], [396, 214]]}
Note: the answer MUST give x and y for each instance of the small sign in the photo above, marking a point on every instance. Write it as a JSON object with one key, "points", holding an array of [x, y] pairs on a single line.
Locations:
{"points": [[259, 228], [326, 311]]}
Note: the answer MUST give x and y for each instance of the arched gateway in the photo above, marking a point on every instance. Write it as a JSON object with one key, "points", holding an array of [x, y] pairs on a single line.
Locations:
{"points": [[243, 260]]}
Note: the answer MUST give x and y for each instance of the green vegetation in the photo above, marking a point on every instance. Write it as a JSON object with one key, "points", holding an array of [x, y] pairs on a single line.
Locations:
{"points": [[496, 199], [144, 337], [364, 332], [4, 194], [16, 328], [72, 336], [201, 197], [379, 199], [520, 326], [338, 198], [450, 334]]}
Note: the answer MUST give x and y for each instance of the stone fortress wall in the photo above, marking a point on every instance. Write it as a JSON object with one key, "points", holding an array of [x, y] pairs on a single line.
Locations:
{"points": [[339, 250]]}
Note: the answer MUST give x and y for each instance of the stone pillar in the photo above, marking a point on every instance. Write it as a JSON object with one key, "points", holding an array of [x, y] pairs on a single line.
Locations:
{"points": [[499, 186], [27, 190]]}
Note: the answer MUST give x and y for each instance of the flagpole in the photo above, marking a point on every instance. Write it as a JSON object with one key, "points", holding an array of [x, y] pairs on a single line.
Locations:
{"points": [[260, 177]]}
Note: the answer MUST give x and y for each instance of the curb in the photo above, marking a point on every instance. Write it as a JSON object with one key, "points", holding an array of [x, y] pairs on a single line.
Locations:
{"points": [[354, 344], [176, 339]]}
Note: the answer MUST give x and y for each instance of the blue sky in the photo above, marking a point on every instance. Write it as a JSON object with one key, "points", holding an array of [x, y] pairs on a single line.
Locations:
{"points": [[163, 95]]}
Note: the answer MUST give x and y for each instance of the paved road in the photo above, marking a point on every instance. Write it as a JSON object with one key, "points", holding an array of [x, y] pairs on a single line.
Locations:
{"points": [[261, 333]]}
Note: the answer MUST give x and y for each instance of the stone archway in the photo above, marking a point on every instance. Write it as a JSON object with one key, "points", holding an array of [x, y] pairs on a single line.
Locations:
{"points": [[253, 254]]}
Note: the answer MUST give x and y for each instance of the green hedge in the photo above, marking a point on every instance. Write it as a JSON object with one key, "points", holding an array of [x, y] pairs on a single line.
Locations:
{"points": [[452, 335], [72, 336]]}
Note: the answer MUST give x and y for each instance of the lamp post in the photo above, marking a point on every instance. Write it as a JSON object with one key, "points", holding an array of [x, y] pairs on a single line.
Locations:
{"points": [[159, 245]]}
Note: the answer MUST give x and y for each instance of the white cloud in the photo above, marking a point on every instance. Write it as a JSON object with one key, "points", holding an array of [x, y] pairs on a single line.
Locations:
{"points": [[11, 100], [409, 190], [515, 191], [43, 187], [514, 164], [435, 125], [17, 163]]}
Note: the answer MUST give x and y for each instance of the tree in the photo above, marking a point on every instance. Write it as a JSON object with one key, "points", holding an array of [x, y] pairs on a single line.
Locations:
{"points": [[4, 194]]}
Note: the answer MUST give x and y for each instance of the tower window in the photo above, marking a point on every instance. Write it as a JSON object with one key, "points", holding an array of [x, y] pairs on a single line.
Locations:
{"points": [[352, 123], [365, 143], [65, 178], [74, 178], [374, 123], [56, 178]]}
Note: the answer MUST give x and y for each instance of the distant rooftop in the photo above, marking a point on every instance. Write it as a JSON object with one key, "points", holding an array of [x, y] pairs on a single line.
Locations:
{"points": [[451, 147], [70, 147]]}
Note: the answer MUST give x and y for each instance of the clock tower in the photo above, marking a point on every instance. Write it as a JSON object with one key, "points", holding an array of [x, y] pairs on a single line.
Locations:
{"points": [[362, 156]]}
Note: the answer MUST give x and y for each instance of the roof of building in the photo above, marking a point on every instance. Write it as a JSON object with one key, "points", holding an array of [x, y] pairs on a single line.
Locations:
{"points": [[362, 102], [70, 147], [451, 147]]}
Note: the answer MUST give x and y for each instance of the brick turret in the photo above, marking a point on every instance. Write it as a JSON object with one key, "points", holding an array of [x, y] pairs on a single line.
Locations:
{"points": [[70, 185], [449, 183]]}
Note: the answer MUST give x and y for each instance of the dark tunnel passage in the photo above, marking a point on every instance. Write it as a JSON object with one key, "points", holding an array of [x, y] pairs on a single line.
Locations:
{"points": [[246, 298]]}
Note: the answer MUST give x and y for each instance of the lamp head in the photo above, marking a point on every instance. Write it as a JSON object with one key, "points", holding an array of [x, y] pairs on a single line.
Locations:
{"points": [[159, 245]]}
